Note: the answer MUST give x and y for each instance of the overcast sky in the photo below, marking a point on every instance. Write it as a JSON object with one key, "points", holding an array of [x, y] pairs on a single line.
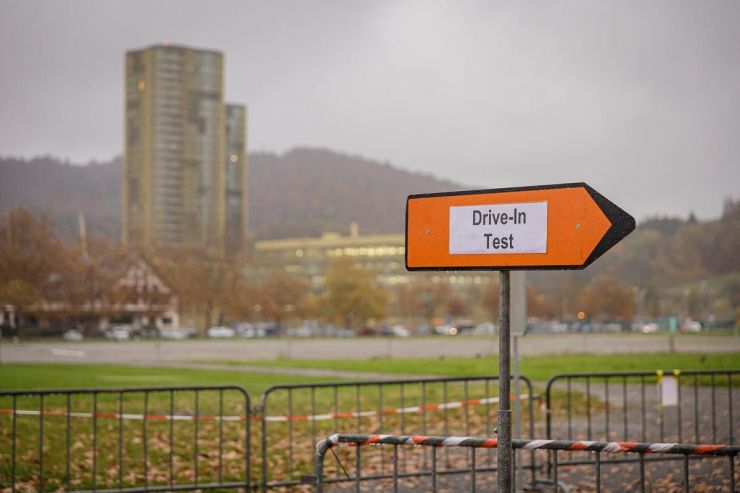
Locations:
{"points": [[639, 99]]}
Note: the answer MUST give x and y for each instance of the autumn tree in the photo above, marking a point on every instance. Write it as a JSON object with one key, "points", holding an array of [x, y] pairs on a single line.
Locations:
{"points": [[352, 296], [35, 266], [40, 275], [607, 296], [402, 302], [29, 256], [539, 304], [428, 297], [197, 276], [285, 297], [103, 268], [241, 300], [490, 298], [456, 306]]}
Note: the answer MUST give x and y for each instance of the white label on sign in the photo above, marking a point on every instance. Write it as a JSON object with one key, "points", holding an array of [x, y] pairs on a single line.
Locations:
{"points": [[500, 228], [669, 391]]}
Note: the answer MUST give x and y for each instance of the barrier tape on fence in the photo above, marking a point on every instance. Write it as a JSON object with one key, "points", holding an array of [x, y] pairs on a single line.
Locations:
{"points": [[314, 417], [581, 445]]}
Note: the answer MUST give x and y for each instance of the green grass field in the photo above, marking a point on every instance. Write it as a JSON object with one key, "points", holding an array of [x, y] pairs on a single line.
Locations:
{"points": [[538, 368], [59, 376]]}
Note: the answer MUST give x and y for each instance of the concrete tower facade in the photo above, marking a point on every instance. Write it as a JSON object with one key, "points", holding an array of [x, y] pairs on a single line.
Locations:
{"points": [[236, 176], [175, 162]]}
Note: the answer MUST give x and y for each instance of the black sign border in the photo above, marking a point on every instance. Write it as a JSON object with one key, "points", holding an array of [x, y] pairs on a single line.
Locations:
{"points": [[622, 224]]}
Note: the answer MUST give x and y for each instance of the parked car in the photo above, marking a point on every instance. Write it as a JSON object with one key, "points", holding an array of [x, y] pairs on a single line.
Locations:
{"points": [[118, 333], [455, 328], [177, 333], [443, 329], [649, 328], [611, 327], [244, 329], [248, 332], [394, 331], [363, 332], [304, 330], [221, 332], [343, 332], [400, 331], [72, 335], [267, 329], [485, 329], [424, 329]]}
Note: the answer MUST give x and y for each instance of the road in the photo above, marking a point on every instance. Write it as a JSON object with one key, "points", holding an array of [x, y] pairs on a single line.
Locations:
{"points": [[170, 352]]}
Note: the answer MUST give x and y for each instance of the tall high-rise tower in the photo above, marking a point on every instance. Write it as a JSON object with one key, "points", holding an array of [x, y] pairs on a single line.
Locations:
{"points": [[175, 163], [236, 176]]}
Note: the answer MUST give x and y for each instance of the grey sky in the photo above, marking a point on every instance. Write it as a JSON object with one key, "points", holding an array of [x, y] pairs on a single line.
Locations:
{"points": [[639, 99]]}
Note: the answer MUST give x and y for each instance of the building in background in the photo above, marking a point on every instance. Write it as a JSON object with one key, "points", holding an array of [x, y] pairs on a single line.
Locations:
{"points": [[138, 302], [310, 258], [175, 160], [236, 177], [383, 255]]}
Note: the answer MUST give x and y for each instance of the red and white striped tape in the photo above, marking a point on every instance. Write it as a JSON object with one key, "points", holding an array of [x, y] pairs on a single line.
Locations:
{"points": [[277, 419], [386, 412]]}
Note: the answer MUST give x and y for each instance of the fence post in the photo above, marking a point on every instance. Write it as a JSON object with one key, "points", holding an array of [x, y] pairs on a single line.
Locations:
{"points": [[319, 468]]}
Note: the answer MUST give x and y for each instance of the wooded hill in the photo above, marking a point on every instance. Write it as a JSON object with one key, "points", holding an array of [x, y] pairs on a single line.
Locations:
{"points": [[61, 190], [303, 192], [675, 265]]}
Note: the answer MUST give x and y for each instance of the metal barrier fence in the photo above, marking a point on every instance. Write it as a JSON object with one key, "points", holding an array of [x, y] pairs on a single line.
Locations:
{"points": [[391, 479], [125, 439], [424, 406], [645, 406], [184, 438], [660, 406], [152, 439]]}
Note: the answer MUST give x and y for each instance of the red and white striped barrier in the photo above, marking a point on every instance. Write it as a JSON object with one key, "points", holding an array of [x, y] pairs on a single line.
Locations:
{"points": [[581, 445], [277, 419]]}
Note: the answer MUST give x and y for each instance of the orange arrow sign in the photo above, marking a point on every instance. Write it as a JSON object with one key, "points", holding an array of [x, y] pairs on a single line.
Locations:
{"points": [[564, 226]]}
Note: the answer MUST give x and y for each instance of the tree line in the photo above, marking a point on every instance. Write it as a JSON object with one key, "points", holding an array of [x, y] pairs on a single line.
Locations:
{"points": [[40, 274], [666, 267]]}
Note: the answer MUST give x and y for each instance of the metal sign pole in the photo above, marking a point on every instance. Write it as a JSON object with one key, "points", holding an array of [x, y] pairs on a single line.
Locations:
{"points": [[504, 385], [517, 328], [517, 404]]}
